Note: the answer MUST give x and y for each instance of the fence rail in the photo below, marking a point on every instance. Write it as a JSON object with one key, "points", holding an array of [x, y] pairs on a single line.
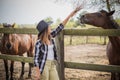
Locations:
{"points": [[72, 65], [16, 58], [93, 67], [80, 32], [19, 30], [92, 32]]}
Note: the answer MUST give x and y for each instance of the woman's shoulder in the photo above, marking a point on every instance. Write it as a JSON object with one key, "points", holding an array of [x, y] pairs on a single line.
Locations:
{"points": [[38, 42]]}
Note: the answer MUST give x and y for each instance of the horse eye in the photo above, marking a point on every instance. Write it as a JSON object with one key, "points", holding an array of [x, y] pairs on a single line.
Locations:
{"points": [[99, 15]]}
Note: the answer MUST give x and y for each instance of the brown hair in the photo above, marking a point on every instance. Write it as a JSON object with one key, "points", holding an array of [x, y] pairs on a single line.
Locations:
{"points": [[43, 36]]}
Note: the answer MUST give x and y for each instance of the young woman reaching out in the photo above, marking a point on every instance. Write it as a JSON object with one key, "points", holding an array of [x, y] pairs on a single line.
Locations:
{"points": [[45, 50]]}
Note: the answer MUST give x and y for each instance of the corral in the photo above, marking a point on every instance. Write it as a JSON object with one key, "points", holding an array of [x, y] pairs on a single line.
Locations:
{"points": [[60, 43]]}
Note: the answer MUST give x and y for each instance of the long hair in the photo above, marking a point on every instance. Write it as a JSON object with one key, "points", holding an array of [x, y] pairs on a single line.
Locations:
{"points": [[43, 36]]}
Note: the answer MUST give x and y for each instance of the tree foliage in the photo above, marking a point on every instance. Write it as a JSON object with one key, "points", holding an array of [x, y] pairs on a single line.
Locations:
{"points": [[49, 19], [108, 5]]}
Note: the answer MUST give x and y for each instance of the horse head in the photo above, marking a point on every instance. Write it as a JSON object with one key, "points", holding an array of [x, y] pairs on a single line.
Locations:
{"points": [[98, 19], [103, 19], [8, 39]]}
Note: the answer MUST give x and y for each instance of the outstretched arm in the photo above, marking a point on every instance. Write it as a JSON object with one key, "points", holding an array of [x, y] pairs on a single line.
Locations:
{"points": [[71, 15], [61, 26]]}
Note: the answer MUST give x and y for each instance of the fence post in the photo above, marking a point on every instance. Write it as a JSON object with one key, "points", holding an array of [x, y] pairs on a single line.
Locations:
{"points": [[60, 51], [105, 39], [71, 39]]}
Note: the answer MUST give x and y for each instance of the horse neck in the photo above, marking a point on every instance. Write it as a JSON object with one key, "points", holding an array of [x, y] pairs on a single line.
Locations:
{"points": [[111, 24], [115, 40]]}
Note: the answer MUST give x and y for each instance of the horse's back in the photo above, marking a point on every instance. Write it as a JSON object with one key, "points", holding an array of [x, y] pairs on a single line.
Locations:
{"points": [[27, 42], [20, 43]]}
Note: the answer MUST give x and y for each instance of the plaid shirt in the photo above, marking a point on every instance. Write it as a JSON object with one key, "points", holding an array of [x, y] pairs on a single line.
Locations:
{"points": [[41, 50]]}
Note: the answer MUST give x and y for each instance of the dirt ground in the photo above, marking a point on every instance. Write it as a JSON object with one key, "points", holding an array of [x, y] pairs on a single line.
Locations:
{"points": [[86, 53]]}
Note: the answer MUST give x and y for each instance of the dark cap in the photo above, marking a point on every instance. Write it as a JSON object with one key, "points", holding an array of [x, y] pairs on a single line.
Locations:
{"points": [[42, 25]]}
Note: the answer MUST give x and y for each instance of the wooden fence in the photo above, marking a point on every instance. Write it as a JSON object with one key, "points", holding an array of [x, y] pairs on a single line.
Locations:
{"points": [[60, 48]]}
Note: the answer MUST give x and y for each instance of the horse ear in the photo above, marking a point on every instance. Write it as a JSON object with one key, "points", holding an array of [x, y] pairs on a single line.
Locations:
{"points": [[13, 25], [111, 13]]}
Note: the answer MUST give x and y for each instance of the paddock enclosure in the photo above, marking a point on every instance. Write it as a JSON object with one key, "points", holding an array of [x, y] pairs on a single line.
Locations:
{"points": [[70, 63]]}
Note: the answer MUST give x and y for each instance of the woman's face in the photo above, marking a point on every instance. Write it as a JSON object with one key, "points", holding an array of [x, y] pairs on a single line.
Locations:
{"points": [[49, 30]]}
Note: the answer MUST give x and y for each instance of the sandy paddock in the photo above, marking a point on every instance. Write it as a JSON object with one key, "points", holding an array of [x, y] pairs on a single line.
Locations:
{"points": [[86, 53]]}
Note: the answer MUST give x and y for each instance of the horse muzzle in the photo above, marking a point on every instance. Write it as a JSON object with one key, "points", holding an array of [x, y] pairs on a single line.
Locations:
{"points": [[8, 46], [84, 19]]}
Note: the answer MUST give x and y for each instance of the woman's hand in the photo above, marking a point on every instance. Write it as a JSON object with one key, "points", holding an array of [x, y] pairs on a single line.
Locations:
{"points": [[76, 10], [37, 75], [71, 14]]}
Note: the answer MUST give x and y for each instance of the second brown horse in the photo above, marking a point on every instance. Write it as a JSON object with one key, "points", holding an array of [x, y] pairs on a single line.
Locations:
{"points": [[17, 44]]}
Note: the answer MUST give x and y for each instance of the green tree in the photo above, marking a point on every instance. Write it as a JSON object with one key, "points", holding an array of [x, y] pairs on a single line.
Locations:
{"points": [[1, 25], [57, 22], [48, 19], [118, 21], [72, 23]]}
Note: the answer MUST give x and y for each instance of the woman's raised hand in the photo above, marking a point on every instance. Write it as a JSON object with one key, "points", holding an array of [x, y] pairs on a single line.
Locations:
{"points": [[72, 14], [76, 10]]}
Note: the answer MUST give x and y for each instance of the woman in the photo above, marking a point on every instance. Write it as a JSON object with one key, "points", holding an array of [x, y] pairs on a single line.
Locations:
{"points": [[45, 50]]}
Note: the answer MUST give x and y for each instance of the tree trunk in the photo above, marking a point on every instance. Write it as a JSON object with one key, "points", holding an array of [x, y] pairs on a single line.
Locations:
{"points": [[108, 5]]}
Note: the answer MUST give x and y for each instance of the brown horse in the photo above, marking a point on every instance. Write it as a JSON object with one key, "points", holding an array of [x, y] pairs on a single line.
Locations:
{"points": [[17, 44], [103, 19]]}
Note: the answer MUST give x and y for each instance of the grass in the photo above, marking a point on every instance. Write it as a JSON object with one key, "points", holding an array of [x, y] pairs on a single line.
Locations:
{"points": [[76, 40]]}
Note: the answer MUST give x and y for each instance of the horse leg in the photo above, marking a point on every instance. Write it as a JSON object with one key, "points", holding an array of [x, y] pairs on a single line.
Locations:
{"points": [[6, 69], [118, 76], [12, 69], [29, 54], [113, 76], [30, 71], [22, 72]]}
